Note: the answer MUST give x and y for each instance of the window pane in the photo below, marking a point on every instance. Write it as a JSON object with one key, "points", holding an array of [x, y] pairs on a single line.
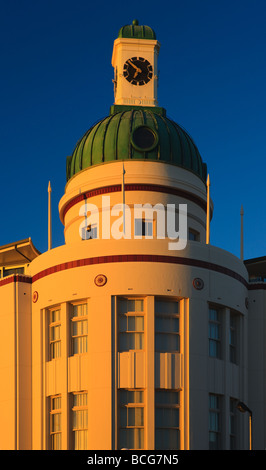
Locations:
{"points": [[166, 307], [56, 422], [122, 306], [131, 438], [131, 396], [56, 441], [123, 323], [139, 341], [166, 342], [80, 327], [214, 331], [213, 441], [55, 332], [135, 323], [55, 316], [80, 345], [80, 439], [139, 305], [166, 397], [167, 324], [79, 310], [80, 399], [138, 227], [56, 403], [167, 439], [167, 417], [135, 416], [123, 417], [148, 228], [80, 420], [131, 419], [213, 314]]}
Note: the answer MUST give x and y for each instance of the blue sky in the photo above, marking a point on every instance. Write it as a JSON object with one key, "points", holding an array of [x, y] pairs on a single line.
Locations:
{"points": [[56, 81]]}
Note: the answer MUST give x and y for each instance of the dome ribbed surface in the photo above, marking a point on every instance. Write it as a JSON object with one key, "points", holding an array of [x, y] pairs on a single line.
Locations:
{"points": [[112, 139], [136, 31]]}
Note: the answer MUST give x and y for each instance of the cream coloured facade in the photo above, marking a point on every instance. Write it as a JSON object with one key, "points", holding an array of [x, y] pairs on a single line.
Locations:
{"points": [[115, 340]]}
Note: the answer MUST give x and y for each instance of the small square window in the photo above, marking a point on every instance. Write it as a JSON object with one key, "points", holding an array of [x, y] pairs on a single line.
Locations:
{"points": [[193, 235], [144, 228]]}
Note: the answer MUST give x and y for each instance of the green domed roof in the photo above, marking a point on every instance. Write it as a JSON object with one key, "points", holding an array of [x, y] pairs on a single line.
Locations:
{"points": [[136, 134], [136, 31]]}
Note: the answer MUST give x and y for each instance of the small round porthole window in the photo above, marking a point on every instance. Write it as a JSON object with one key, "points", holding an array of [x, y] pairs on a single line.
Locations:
{"points": [[144, 138]]}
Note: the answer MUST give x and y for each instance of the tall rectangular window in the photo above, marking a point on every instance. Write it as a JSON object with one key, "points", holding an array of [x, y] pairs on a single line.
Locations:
{"points": [[80, 420], [214, 333], [167, 326], [167, 403], [131, 419], [55, 423], [232, 423], [232, 338], [214, 422], [54, 334], [79, 328], [131, 324]]}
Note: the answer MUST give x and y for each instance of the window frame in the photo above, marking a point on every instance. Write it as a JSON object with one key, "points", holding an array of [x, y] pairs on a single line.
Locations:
{"points": [[233, 423], [91, 229], [129, 405], [76, 408], [74, 321], [52, 325], [212, 339], [215, 412], [172, 316], [144, 221], [167, 406], [126, 333], [52, 412], [193, 235], [233, 337]]}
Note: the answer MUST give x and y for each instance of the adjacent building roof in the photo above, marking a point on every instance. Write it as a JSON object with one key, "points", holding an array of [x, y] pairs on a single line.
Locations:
{"points": [[20, 252]]}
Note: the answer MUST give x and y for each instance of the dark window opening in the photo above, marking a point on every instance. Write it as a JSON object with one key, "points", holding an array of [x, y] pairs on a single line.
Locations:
{"points": [[144, 138]]}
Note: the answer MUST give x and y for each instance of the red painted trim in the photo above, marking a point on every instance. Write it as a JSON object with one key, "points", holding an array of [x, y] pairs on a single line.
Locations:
{"points": [[15, 278], [136, 187], [258, 286], [131, 259], [140, 258]]}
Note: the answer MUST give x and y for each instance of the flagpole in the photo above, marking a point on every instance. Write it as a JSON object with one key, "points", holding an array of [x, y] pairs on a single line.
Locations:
{"points": [[49, 217], [242, 235], [208, 212], [123, 197]]}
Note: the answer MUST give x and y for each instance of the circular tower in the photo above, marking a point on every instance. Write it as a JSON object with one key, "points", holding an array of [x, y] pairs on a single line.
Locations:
{"points": [[122, 311]]}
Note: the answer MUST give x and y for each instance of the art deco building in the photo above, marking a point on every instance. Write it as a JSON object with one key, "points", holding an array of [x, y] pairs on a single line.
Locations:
{"points": [[120, 338]]}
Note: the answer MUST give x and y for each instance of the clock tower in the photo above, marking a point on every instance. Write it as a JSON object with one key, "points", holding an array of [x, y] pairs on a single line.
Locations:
{"points": [[134, 60]]}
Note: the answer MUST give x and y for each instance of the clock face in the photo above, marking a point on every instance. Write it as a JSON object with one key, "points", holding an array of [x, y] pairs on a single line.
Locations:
{"points": [[138, 71]]}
